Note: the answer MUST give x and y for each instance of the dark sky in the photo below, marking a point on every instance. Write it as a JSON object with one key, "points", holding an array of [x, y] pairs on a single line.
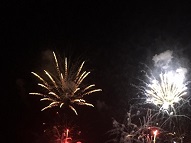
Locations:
{"points": [[112, 36]]}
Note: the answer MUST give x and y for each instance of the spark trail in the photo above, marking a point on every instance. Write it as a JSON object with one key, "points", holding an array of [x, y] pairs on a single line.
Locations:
{"points": [[65, 88], [168, 89], [135, 129]]}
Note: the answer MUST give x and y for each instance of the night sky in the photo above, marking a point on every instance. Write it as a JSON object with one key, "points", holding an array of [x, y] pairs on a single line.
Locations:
{"points": [[112, 37]]}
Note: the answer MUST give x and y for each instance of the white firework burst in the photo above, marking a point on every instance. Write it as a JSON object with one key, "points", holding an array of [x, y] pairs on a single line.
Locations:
{"points": [[167, 90], [65, 88]]}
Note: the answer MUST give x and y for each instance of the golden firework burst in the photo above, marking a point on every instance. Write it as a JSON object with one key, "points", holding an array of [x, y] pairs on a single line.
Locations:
{"points": [[65, 88]]}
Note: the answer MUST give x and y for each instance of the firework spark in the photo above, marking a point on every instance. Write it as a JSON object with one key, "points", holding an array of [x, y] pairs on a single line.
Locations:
{"points": [[65, 87], [169, 88], [166, 91], [144, 126], [133, 132], [62, 134]]}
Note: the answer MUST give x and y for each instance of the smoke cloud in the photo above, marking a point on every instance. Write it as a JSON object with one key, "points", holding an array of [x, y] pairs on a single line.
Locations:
{"points": [[163, 59]]}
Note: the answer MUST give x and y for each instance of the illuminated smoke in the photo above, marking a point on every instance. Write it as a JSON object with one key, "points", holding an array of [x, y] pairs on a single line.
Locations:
{"points": [[166, 88], [162, 60]]}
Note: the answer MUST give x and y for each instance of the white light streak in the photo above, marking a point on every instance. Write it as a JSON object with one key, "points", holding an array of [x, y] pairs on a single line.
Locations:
{"points": [[167, 90]]}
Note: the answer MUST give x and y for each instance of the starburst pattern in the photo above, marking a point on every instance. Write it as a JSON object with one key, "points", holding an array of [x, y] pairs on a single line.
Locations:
{"points": [[65, 87], [166, 91]]}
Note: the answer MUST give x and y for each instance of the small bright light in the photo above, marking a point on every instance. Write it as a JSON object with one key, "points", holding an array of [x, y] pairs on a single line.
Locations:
{"points": [[155, 132], [165, 106], [176, 99]]}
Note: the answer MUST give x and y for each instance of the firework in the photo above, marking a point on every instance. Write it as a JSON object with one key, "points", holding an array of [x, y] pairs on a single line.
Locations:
{"points": [[64, 136], [65, 88], [61, 134], [62, 130], [144, 126], [166, 91], [167, 87], [135, 129], [155, 134]]}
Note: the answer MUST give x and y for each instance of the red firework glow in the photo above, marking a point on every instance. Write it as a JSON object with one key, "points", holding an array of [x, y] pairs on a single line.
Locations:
{"points": [[155, 134]]}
